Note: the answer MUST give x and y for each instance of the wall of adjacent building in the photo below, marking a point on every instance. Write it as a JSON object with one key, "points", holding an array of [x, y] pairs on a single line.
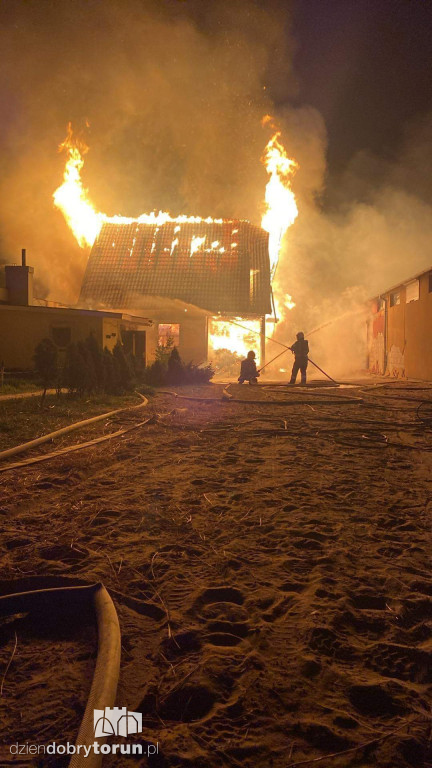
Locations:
{"points": [[22, 328], [404, 332], [418, 333]]}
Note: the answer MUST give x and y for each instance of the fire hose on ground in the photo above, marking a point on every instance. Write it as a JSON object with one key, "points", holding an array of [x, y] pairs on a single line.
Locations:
{"points": [[105, 679], [70, 428]]}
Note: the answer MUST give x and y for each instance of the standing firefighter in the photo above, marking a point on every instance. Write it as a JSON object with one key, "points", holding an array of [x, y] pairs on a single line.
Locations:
{"points": [[248, 369], [300, 348]]}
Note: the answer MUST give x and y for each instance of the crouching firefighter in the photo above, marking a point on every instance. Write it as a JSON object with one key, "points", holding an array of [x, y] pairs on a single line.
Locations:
{"points": [[300, 349], [248, 369]]}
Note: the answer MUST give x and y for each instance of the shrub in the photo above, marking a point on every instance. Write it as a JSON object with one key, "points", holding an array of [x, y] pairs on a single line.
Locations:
{"points": [[196, 374], [154, 374], [95, 358], [163, 352], [110, 377], [122, 368], [175, 372], [90, 383], [75, 371]]}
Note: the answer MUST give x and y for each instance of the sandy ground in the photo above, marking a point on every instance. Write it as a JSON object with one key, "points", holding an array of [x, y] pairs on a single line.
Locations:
{"points": [[281, 554]]}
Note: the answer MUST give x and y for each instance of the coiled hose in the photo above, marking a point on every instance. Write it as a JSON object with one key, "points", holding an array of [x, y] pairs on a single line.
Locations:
{"points": [[104, 685]]}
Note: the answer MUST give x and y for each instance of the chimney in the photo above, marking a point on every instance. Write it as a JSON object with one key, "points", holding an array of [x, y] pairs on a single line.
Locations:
{"points": [[19, 282]]}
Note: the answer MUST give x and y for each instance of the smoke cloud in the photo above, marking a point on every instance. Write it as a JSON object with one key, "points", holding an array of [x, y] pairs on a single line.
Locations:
{"points": [[174, 94], [375, 231]]}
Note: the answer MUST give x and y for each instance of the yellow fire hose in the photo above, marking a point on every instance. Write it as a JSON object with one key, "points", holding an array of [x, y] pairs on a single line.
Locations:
{"points": [[105, 679]]}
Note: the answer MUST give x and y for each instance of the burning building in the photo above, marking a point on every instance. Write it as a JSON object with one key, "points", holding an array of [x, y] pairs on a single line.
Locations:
{"points": [[192, 277], [196, 278]]}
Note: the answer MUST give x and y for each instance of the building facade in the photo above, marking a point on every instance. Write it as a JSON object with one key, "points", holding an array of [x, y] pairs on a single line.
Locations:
{"points": [[400, 330], [188, 276], [25, 321]]}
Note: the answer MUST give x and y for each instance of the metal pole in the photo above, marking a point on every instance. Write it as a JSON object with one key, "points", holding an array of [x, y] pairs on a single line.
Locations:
{"points": [[262, 343]]}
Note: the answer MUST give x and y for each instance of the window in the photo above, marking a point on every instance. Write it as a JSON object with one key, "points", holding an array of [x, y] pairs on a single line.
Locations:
{"points": [[394, 299], [412, 291], [253, 279], [169, 331], [61, 336]]}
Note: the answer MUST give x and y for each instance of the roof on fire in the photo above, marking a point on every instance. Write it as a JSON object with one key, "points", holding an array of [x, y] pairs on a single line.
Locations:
{"points": [[218, 266]]}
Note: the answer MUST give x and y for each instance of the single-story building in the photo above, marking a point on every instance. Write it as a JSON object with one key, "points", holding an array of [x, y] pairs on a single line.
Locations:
{"points": [[400, 329], [190, 276], [25, 321]]}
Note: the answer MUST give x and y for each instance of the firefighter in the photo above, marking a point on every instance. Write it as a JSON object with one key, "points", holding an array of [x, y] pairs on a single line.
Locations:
{"points": [[300, 349], [248, 369]]}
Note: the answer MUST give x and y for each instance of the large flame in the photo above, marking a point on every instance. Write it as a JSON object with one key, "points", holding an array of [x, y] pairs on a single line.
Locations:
{"points": [[280, 204], [71, 197], [80, 214]]}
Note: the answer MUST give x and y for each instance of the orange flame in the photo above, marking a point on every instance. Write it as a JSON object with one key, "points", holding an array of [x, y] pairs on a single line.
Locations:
{"points": [[71, 197], [223, 334], [280, 204], [84, 221]]}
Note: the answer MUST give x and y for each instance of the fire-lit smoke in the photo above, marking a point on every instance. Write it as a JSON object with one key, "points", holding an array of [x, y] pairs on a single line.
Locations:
{"points": [[73, 200], [174, 97]]}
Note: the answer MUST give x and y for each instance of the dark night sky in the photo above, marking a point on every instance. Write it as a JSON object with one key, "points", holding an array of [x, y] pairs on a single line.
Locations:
{"points": [[366, 66]]}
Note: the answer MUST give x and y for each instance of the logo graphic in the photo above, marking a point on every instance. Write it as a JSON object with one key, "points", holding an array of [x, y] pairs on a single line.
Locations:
{"points": [[116, 722]]}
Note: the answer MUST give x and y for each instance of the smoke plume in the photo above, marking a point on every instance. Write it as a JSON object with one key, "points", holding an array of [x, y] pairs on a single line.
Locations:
{"points": [[174, 97]]}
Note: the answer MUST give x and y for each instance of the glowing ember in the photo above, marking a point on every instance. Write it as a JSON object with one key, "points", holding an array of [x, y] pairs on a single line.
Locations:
{"points": [[281, 207]]}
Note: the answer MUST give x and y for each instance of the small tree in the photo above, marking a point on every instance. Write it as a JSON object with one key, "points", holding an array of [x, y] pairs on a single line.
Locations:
{"points": [[175, 370], [90, 381], [111, 383], [122, 368], [95, 355], [76, 370], [163, 351], [46, 364], [154, 374]]}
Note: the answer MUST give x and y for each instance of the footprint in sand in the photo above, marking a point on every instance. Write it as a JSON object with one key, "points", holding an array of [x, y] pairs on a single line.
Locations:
{"points": [[374, 701], [62, 554], [401, 662], [225, 618], [326, 642]]}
